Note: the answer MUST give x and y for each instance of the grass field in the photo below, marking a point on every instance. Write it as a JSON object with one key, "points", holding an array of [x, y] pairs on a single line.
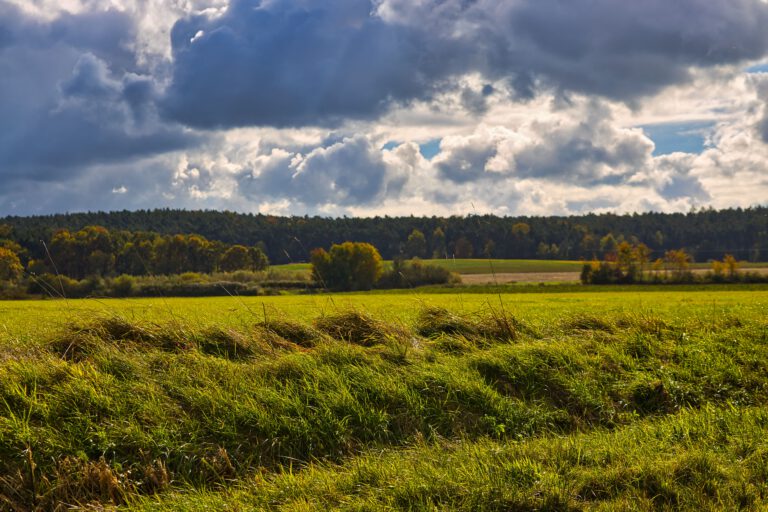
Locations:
{"points": [[556, 399], [479, 266], [490, 266]]}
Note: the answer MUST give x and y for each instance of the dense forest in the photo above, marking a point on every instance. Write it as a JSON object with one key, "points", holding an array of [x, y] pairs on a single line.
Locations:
{"points": [[704, 234]]}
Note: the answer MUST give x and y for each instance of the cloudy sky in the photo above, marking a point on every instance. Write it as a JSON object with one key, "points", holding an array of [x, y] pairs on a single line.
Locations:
{"points": [[372, 107]]}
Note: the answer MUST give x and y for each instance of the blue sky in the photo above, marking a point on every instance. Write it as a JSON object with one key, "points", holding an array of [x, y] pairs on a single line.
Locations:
{"points": [[362, 107], [688, 137]]}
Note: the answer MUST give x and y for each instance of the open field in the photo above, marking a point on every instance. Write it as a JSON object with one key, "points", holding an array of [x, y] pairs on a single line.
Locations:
{"points": [[653, 398], [33, 319], [500, 267], [478, 266]]}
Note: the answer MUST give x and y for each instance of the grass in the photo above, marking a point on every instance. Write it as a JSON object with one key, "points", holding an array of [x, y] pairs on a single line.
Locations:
{"points": [[477, 266], [489, 266], [549, 401], [26, 321], [709, 459]]}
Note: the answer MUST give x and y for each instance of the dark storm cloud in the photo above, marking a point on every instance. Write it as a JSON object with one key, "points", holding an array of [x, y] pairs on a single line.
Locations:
{"points": [[624, 50], [294, 63], [106, 34], [70, 97], [291, 63]]}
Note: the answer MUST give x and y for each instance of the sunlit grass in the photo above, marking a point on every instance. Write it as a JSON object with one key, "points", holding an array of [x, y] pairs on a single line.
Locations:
{"points": [[541, 401]]}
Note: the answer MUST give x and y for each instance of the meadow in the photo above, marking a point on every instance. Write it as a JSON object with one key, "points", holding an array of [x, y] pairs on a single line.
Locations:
{"points": [[478, 266], [499, 266], [555, 399]]}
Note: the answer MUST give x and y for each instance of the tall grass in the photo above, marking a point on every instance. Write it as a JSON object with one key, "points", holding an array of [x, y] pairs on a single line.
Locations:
{"points": [[707, 459], [109, 409]]}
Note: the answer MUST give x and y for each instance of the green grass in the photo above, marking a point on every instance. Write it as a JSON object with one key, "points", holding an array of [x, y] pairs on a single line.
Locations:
{"points": [[27, 321], [709, 459], [478, 266], [490, 266], [548, 401]]}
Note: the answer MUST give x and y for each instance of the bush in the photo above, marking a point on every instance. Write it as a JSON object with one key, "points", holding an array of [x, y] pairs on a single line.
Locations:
{"points": [[122, 286], [63, 286], [409, 274], [348, 266]]}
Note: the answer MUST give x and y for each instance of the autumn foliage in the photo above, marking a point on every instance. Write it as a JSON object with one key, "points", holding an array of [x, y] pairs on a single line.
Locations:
{"points": [[350, 266]]}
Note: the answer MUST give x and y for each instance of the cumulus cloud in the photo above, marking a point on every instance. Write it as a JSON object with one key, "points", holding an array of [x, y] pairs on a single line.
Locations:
{"points": [[583, 144], [286, 105], [70, 98], [762, 125], [289, 63], [350, 172]]}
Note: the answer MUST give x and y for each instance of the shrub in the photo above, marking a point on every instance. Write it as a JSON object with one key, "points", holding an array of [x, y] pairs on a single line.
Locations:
{"points": [[122, 286], [408, 274], [348, 266]]}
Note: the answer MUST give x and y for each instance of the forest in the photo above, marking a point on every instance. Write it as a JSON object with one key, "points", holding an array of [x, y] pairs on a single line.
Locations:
{"points": [[704, 234]]}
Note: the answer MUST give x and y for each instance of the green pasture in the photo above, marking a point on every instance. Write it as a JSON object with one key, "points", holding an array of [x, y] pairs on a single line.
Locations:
{"points": [[35, 318], [490, 266], [561, 398], [479, 266]]}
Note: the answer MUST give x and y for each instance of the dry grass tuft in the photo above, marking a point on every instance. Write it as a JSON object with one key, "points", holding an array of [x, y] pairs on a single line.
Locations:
{"points": [[300, 334], [358, 328], [587, 322], [227, 343]]}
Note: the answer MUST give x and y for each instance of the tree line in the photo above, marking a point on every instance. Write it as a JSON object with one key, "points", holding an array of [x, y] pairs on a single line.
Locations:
{"points": [[97, 251], [704, 234], [631, 264]]}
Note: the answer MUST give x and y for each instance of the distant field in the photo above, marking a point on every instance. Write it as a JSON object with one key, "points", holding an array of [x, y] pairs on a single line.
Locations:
{"points": [[480, 266], [485, 266]]}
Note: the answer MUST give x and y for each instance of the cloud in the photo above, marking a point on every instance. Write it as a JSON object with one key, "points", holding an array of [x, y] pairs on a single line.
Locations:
{"points": [[296, 63], [71, 97], [285, 105], [350, 172], [626, 50], [763, 126], [582, 145], [287, 63], [672, 177]]}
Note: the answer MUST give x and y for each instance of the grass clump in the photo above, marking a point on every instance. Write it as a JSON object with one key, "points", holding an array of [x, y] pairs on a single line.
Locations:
{"points": [[489, 325], [80, 341], [357, 327], [588, 322], [227, 343], [294, 332]]}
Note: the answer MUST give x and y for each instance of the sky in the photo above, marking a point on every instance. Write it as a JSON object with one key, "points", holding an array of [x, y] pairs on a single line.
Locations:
{"points": [[383, 107]]}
